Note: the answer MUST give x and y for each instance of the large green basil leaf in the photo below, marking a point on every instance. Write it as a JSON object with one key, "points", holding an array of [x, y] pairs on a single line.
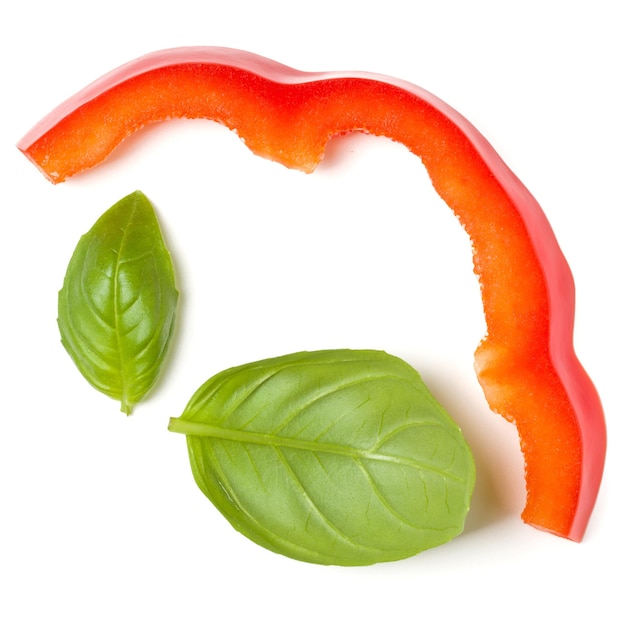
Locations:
{"points": [[335, 457], [118, 301]]}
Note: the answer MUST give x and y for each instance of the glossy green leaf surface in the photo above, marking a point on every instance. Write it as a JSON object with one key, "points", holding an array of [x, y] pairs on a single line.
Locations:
{"points": [[118, 301], [334, 457]]}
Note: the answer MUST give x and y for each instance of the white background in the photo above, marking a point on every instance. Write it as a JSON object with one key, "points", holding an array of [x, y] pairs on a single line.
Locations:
{"points": [[100, 520]]}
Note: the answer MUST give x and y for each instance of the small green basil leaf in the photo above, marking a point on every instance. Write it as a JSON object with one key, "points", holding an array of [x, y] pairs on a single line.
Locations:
{"points": [[118, 301], [334, 457]]}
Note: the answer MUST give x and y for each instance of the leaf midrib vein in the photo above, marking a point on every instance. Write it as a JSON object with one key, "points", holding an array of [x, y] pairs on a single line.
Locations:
{"points": [[116, 308], [196, 429]]}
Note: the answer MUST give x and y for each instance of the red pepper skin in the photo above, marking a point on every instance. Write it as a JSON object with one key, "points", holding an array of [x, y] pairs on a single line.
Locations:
{"points": [[526, 364]]}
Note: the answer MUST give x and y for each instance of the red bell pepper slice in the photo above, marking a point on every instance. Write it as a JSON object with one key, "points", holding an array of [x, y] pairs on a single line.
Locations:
{"points": [[526, 364]]}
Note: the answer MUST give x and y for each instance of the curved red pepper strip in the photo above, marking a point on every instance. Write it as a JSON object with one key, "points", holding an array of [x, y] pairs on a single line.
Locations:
{"points": [[526, 364]]}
